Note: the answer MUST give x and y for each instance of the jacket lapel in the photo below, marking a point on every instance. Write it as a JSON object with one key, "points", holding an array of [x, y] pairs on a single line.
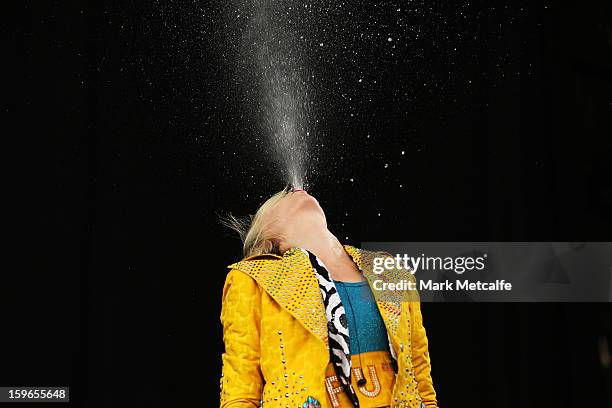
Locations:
{"points": [[390, 308], [291, 281]]}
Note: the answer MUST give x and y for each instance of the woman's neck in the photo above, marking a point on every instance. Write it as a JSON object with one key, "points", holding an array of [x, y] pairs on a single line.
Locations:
{"points": [[325, 246]]}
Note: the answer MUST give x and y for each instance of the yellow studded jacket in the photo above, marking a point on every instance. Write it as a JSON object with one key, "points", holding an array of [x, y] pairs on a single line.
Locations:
{"points": [[276, 337]]}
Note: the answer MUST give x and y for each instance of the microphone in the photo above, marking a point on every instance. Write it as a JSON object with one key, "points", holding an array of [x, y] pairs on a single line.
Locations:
{"points": [[362, 382]]}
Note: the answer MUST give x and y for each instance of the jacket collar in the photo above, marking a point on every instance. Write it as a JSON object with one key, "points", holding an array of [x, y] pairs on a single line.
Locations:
{"points": [[280, 276], [291, 281]]}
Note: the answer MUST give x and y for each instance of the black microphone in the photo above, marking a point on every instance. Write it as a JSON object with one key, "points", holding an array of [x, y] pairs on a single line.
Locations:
{"points": [[362, 382]]}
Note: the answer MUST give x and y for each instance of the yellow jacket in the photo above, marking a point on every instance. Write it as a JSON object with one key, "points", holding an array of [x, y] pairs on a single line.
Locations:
{"points": [[275, 335]]}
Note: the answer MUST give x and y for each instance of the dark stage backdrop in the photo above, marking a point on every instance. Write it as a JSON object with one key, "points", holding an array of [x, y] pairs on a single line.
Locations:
{"points": [[137, 135]]}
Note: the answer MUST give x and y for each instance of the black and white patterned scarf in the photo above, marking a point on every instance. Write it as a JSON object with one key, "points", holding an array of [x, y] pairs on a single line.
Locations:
{"points": [[337, 326]]}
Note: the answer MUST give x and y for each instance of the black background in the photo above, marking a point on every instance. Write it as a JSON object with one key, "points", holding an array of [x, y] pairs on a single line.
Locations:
{"points": [[126, 165]]}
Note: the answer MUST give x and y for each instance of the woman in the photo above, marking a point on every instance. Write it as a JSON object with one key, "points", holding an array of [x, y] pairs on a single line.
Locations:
{"points": [[302, 327]]}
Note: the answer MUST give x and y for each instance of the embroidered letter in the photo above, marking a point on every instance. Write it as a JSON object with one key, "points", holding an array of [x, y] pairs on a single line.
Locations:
{"points": [[333, 391], [373, 380]]}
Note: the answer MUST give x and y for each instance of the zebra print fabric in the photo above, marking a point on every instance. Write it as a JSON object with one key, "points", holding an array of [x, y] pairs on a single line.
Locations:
{"points": [[338, 334]]}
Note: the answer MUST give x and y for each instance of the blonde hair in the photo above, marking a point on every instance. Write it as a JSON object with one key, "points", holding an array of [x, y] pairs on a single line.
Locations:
{"points": [[255, 239]]}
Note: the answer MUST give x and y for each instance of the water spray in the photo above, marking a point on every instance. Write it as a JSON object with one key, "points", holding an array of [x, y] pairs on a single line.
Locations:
{"points": [[284, 100]]}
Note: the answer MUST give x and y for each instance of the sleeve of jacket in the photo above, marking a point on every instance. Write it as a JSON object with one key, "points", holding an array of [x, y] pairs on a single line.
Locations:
{"points": [[241, 379], [420, 357]]}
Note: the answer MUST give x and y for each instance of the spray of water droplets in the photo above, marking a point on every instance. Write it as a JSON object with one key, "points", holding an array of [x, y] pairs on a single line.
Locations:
{"points": [[283, 91]]}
